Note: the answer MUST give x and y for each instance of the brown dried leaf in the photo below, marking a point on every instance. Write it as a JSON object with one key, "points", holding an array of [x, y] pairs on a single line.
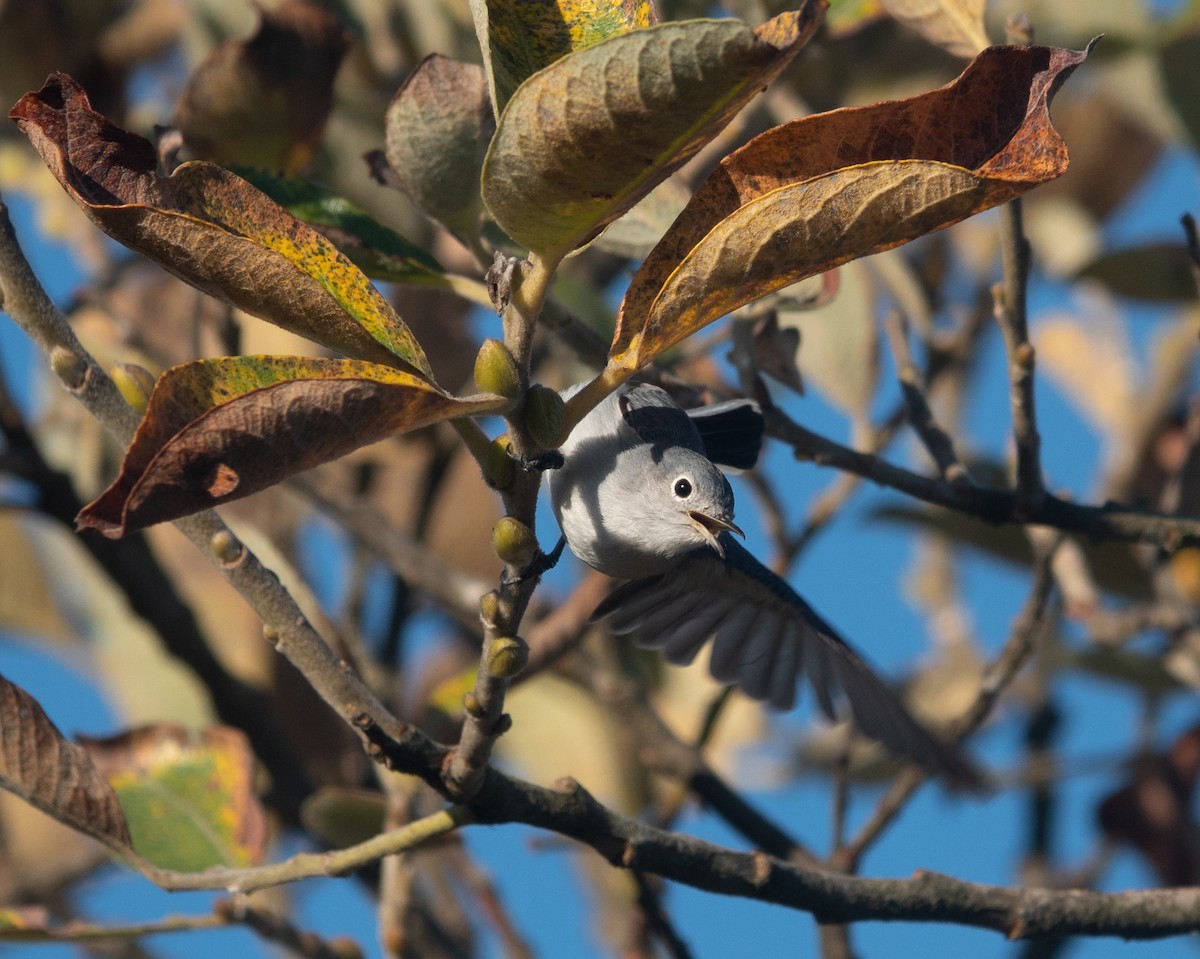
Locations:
{"points": [[823, 190], [213, 229], [52, 773], [218, 430]]}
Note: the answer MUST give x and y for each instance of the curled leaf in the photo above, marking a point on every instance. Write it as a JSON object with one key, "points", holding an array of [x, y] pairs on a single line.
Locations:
{"points": [[217, 430], [583, 140], [52, 773], [820, 191], [439, 125], [190, 799], [213, 230]]}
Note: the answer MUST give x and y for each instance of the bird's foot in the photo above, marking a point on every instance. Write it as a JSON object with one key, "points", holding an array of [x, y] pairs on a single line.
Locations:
{"points": [[542, 563], [550, 460]]}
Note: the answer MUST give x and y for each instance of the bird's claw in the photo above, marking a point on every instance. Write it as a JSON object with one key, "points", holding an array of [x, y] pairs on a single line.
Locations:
{"points": [[550, 460], [542, 563]]}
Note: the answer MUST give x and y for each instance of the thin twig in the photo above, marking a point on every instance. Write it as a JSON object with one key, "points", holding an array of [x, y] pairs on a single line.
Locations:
{"points": [[1192, 240], [1109, 522], [1010, 311], [937, 442], [657, 920]]}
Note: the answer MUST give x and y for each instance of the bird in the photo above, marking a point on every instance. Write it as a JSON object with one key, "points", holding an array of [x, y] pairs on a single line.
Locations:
{"points": [[640, 496]]}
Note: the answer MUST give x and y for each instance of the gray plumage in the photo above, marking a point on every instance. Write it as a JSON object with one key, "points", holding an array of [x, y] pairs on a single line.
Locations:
{"points": [[639, 498]]}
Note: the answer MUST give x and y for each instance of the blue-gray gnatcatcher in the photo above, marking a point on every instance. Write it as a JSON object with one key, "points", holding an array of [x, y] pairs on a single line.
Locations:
{"points": [[640, 497]]}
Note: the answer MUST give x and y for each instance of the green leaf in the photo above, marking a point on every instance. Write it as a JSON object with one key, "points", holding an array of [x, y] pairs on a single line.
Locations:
{"points": [[586, 138], [214, 230], [519, 38], [379, 251], [1158, 272], [190, 801], [217, 430]]}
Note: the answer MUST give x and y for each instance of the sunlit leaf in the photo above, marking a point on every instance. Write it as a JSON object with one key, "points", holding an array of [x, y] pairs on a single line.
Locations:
{"points": [[519, 38], [190, 800], [212, 229], [54, 774], [217, 430], [954, 25], [439, 125], [583, 140], [379, 251], [819, 191]]}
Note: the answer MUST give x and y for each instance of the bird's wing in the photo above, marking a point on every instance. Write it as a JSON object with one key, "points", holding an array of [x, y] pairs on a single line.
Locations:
{"points": [[765, 637], [732, 432], [657, 419]]}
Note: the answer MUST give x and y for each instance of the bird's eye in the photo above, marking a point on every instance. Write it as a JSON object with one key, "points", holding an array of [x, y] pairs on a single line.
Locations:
{"points": [[683, 487]]}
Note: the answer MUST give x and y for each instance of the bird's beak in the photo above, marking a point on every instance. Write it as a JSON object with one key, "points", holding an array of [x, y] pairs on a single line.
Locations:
{"points": [[710, 526]]}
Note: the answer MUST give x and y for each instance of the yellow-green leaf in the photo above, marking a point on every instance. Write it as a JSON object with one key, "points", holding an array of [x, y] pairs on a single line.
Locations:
{"points": [[189, 800], [583, 140]]}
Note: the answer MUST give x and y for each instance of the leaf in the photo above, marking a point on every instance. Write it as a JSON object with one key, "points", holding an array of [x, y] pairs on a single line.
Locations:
{"points": [[1180, 61], [190, 802], [438, 127], [217, 430], [822, 190], [1092, 362], [212, 229], [1158, 272], [839, 343], [954, 25], [518, 39], [583, 140], [634, 234], [1113, 565], [264, 101], [26, 593], [54, 774], [341, 816], [379, 251]]}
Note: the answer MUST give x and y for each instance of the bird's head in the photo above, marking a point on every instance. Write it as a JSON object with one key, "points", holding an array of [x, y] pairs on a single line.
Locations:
{"points": [[685, 502]]}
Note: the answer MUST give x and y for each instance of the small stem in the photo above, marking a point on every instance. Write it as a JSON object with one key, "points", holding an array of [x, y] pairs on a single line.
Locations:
{"points": [[937, 442], [307, 865], [1010, 312]]}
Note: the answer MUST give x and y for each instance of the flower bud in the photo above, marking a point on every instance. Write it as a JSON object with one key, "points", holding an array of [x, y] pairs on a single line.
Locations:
{"points": [[135, 383], [514, 542], [507, 656], [496, 370]]}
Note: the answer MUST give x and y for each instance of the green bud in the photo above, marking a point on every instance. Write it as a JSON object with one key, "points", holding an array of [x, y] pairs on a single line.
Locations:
{"points": [[135, 384], [499, 469], [496, 370], [514, 542], [507, 656], [545, 414]]}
